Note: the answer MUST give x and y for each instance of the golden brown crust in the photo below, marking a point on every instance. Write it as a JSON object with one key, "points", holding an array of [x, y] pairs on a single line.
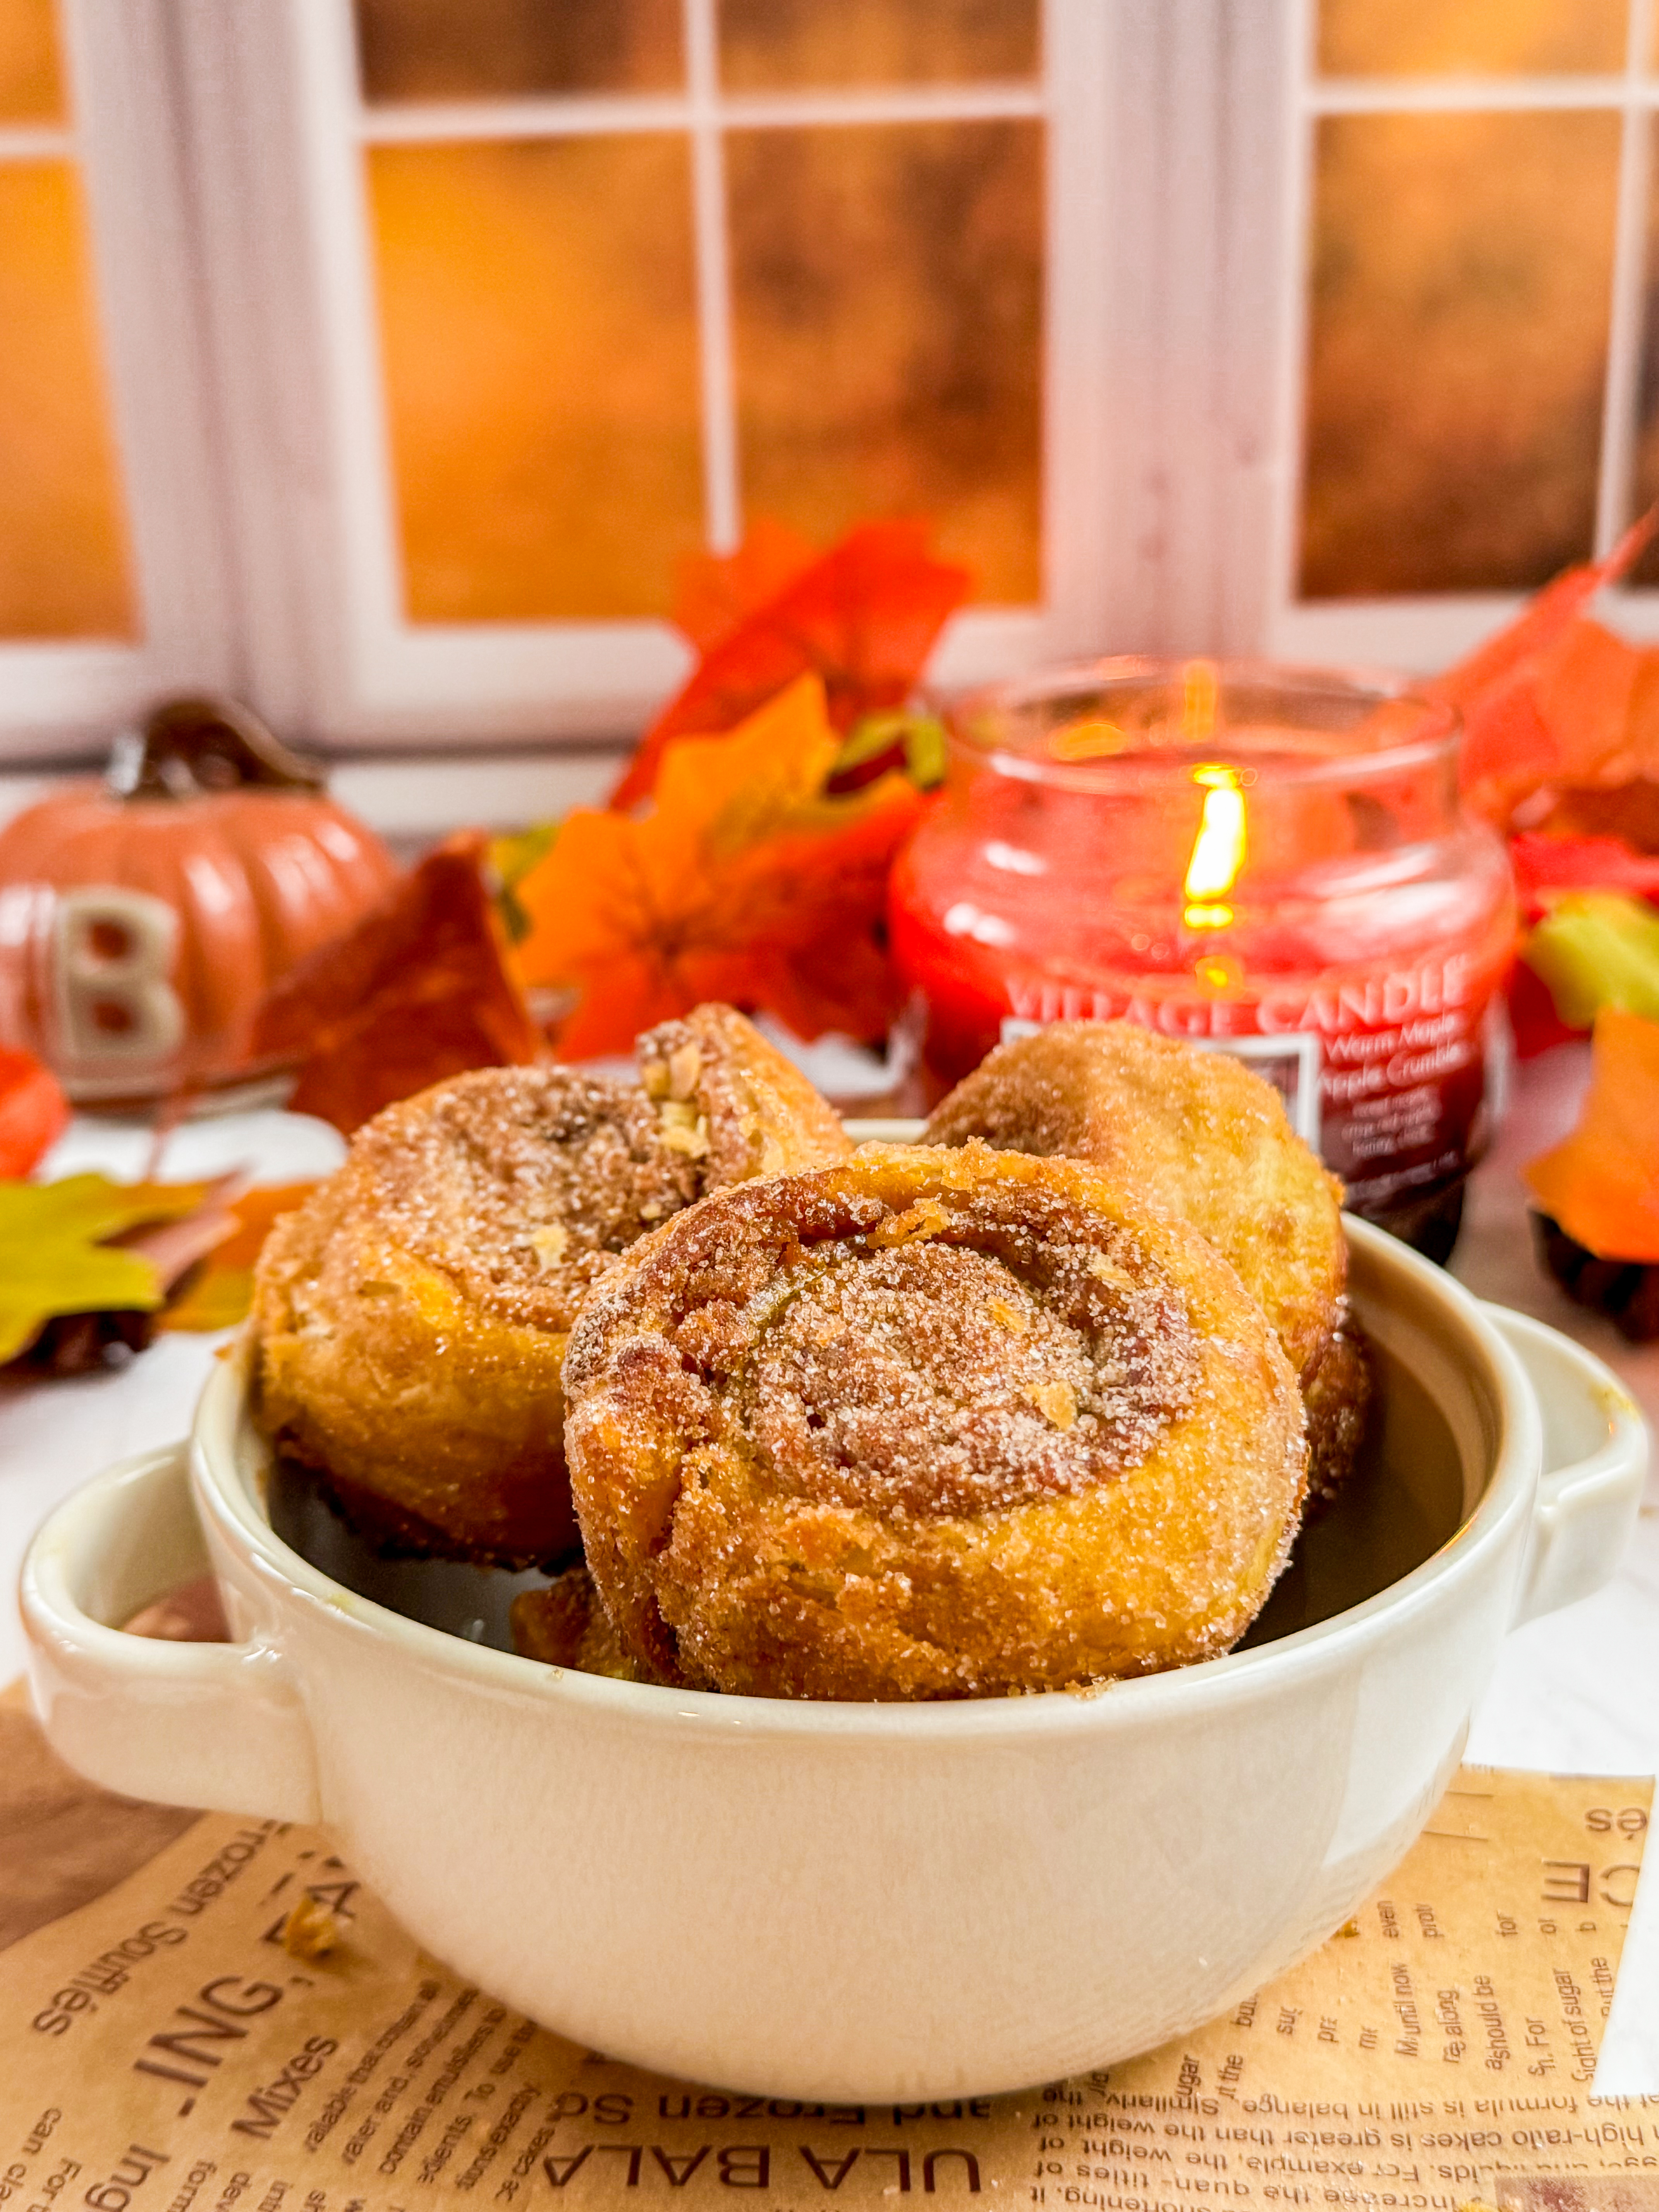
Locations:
{"points": [[929, 1424], [412, 1314], [758, 1114], [566, 1625], [1207, 1138]]}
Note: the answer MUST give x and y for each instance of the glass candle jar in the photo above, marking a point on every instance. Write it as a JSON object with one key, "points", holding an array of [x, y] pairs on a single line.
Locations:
{"points": [[1267, 861]]}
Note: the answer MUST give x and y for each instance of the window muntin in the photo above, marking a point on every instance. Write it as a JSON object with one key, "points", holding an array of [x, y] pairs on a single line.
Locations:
{"points": [[817, 391], [1504, 74]]}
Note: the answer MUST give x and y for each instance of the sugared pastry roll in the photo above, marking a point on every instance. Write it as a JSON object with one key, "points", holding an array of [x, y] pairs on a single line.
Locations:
{"points": [[1198, 1132], [565, 1626], [931, 1424], [411, 1317]]}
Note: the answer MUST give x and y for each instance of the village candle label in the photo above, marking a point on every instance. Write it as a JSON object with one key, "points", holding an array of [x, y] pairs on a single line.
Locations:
{"points": [[1385, 1079], [1263, 862]]}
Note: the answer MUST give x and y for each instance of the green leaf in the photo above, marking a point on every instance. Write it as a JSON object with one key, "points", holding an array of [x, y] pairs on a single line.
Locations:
{"points": [[919, 737], [924, 751], [510, 860], [1596, 949]]}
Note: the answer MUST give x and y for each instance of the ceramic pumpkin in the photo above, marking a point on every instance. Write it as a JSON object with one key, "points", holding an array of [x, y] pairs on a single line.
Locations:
{"points": [[143, 915]]}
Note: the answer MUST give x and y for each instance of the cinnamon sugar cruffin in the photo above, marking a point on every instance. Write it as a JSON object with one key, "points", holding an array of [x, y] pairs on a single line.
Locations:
{"points": [[1206, 1137], [412, 1315], [929, 1424], [1209, 1139]]}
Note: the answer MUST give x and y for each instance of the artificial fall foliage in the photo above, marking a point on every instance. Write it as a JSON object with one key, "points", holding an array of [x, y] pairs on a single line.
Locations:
{"points": [[34, 1111], [77, 1247], [418, 991], [1594, 949], [745, 879], [1556, 708], [1561, 751], [1601, 1184], [862, 618], [1546, 868]]}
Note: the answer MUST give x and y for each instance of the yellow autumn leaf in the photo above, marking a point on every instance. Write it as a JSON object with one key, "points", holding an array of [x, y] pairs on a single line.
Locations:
{"points": [[56, 1256]]}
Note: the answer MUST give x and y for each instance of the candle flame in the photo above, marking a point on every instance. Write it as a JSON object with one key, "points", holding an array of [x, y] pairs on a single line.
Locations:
{"points": [[1217, 850]]}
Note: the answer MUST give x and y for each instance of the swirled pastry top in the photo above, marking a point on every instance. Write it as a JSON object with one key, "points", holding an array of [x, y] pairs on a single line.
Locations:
{"points": [[928, 1423], [1203, 1135]]}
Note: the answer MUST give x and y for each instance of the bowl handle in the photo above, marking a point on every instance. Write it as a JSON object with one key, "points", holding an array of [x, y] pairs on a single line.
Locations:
{"points": [[217, 1725], [1596, 1458]]}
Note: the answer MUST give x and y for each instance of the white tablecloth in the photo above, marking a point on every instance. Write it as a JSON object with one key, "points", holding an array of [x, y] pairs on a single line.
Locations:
{"points": [[1577, 1692]]}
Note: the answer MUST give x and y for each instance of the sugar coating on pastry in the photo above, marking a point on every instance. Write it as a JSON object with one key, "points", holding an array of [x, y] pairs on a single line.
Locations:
{"points": [[411, 1315], [565, 1626], [723, 1095], [1203, 1134], [931, 1424]]}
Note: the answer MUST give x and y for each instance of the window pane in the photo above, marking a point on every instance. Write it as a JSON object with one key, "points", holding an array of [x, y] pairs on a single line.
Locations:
{"points": [[888, 306], [541, 364], [31, 81], [1459, 326], [769, 43], [482, 49], [1411, 37], [63, 540]]}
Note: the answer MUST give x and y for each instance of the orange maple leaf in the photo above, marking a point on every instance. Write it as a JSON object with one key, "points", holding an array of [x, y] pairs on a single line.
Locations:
{"points": [[743, 882], [1549, 696], [1602, 1183], [864, 618]]}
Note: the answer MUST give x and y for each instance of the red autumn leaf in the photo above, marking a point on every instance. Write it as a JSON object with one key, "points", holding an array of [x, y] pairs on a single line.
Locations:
{"points": [[1628, 811], [1546, 865], [220, 1297], [742, 881], [1534, 1021], [419, 990], [34, 1111], [716, 592], [864, 619]]}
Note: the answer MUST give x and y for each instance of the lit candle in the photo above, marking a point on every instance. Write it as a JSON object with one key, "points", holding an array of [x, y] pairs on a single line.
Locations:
{"points": [[1270, 862]]}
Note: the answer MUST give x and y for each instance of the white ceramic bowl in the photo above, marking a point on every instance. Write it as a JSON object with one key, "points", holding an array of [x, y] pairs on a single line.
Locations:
{"points": [[856, 1902]]}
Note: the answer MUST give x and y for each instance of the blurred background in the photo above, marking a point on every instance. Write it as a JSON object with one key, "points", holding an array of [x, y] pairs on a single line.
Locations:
{"points": [[378, 362]]}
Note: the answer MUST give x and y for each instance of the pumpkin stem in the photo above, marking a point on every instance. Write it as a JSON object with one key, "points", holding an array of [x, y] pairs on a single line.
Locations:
{"points": [[190, 746]]}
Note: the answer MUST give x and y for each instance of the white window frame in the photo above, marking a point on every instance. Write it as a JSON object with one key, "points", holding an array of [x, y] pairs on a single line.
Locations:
{"points": [[1429, 632], [280, 131], [61, 698], [220, 148]]}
